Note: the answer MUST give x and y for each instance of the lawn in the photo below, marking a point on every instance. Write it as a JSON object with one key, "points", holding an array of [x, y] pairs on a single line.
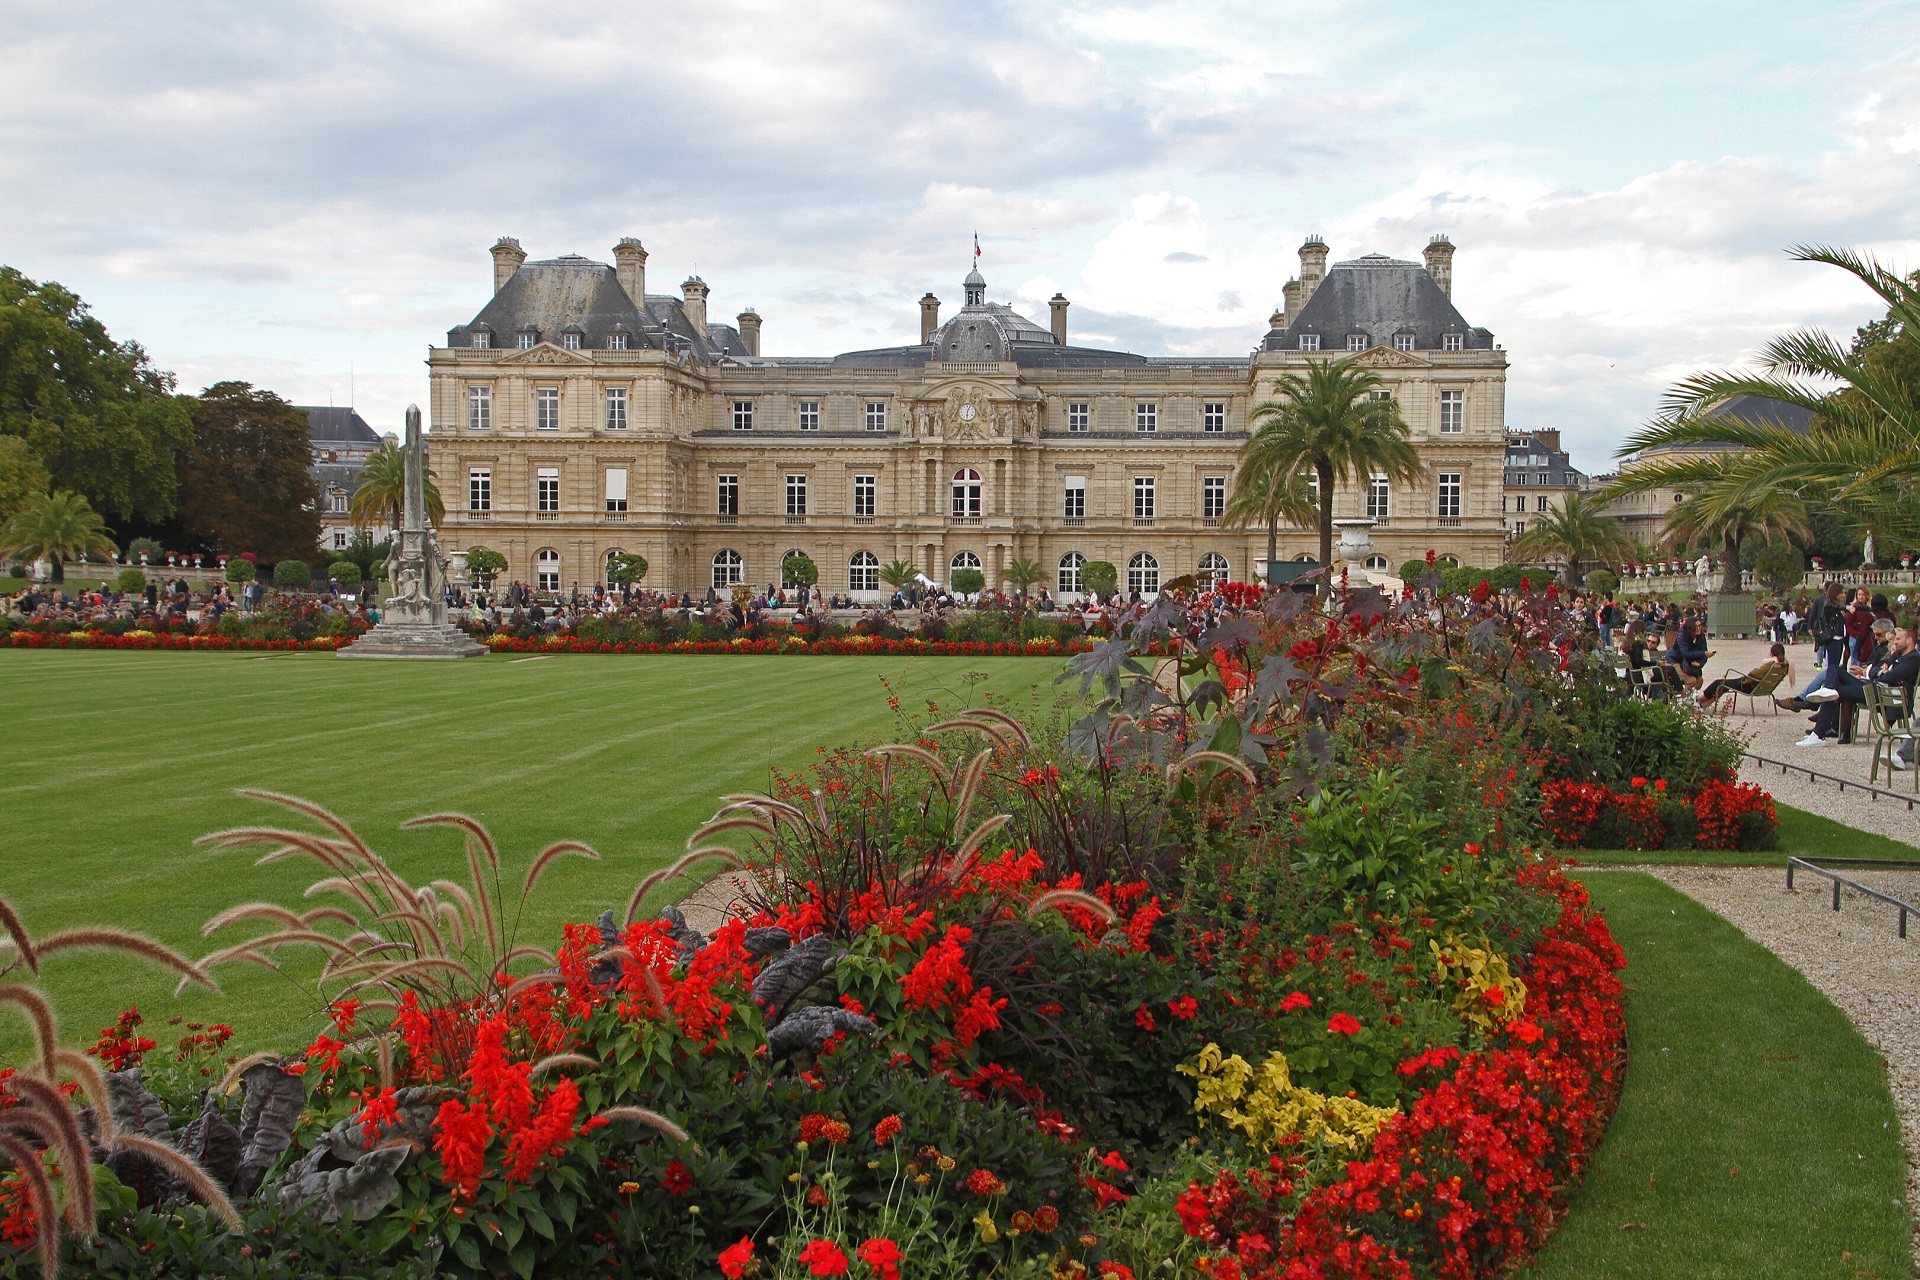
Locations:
{"points": [[1756, 1136], [114, 762]]}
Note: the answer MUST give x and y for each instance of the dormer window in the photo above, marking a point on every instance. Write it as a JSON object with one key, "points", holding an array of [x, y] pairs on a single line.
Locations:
{"points": [[617, 341], [1356, 342], [1309, 342], [479, 339], [1403, 342], [1453, 342], [528, 337], [570, 340]]}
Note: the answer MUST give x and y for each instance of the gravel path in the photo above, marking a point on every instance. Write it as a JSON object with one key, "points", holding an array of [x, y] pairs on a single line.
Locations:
{"points": [[1855, 957]]}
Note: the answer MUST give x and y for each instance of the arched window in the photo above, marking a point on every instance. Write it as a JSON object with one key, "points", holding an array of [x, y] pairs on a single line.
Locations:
{"points": [[863, 572], [1068, 580], [728, 569], [787, 557], [965, 560], [1452, 562], [966, 495], [1143, 574], [1377, 563], [547, 569], [1213, 566], [606, 568], [1306, 557]]}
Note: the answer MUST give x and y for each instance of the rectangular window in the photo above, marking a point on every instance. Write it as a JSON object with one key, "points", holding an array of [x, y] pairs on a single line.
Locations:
{"points": [[743, 415], [1213, 417], [616, 488], [616, 342], [1213, 497], [1379, 395], [1449, 495], [616, 408], [1143, 497], [876, 415], [337, 504], [729, 495], [479, 341], [1403, 342], [1076, 503], [1453, 342], [809, 415], [546, 408], [1519, 526], [796, 495], [479, 408], [1079, 416], [1356, 342], [1146, 417], [526, 341], [864, 490], [1309, 342], [571, 341], [480, 489], [547, 489], [1540, 503], [1453, 412], [1376, 497], [339, 539]]}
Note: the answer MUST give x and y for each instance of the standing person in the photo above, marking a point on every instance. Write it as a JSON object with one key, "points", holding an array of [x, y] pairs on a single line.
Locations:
{"points": [[1859, 626], [1608, 618], [1826, 623]]}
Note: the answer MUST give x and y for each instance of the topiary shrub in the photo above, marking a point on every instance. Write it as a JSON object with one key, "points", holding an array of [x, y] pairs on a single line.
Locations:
{"points": [[241, 570], [799, 571], [1601, 582], [1100, 577], [968, 581], [344, 572], [292, 574], [131, 580]]}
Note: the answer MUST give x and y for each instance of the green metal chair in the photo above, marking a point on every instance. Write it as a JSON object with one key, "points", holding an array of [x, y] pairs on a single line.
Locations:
{"points": [[1763, 688], [1890, 725]]}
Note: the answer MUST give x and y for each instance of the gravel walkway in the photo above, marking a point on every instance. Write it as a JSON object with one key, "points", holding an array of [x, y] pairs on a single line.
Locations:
{"points": [[1855, 957]]}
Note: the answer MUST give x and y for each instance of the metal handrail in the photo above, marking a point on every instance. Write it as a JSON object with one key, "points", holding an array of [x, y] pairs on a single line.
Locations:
{"points": [[1875, 792], [1807, 864]]}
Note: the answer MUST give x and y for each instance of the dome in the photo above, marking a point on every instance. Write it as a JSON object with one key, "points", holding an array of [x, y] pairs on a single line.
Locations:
{"points": [[975, 279]]}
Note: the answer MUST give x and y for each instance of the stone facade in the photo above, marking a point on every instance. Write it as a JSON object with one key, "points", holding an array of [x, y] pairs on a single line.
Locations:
{"points": [[341, 442], [578, 416], [1540, 475]]}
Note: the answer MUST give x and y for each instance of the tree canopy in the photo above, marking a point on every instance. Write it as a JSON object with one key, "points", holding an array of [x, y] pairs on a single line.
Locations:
{"points": [[21, 476], [97, 415], [56, 527], [382, 495], [245, 484]]}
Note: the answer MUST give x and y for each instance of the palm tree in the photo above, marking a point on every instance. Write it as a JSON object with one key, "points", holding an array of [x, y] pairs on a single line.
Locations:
{"points": [[382, 494], [1258, 500], [896, 574], [1867, 434], [1703, 520], [56, 527], [1331, 424], [1575, 532], [1022, 573]]}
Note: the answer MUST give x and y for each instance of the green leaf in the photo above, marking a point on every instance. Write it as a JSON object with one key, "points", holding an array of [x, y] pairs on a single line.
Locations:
{"points": [[469, 1250]]}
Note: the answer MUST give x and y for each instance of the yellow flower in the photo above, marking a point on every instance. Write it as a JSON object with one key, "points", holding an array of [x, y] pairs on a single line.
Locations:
{"points": [[988, 1232], [1268, 1107], [628, 1188], [1490, 996]]}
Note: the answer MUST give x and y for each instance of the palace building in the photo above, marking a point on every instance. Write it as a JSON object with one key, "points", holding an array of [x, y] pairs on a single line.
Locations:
{"points": [[578, 416]]}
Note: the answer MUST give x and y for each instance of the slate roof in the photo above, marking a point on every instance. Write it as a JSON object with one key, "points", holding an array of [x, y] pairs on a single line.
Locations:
{"points": [[555, 294], [1379, 297], [989, 331], [339, 427], [1758, 410]]}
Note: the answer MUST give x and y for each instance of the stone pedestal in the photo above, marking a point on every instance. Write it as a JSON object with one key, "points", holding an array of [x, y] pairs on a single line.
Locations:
{"points": [[415, 640]]}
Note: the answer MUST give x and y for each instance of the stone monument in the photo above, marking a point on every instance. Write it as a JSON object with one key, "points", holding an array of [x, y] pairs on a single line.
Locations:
{"points": [[413, 620]]}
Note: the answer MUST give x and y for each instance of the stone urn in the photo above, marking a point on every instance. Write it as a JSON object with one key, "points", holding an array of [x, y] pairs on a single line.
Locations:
{"points": [[1355, 544]]}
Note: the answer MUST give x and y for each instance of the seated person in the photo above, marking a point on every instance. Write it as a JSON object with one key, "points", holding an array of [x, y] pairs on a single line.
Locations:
{"points": [[1896, 667], [1656, 677], [1750, 681], [1687, 657]]}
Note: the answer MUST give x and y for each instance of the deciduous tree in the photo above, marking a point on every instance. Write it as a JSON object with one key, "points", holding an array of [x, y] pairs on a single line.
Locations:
{"points": [[245, 483]]}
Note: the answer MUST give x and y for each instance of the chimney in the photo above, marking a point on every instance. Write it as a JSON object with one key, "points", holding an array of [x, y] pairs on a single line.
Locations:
{"points": [[1549, 438], [929, 317], [750, 330], [1291, 300], [1313, 267], [630, 264], [1058, 302], [507, 257], [1440, 263], [694, 290]]}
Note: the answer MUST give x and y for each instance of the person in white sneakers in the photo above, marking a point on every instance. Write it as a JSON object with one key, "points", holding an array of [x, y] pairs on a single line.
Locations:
{"points": [[1896, 666]]}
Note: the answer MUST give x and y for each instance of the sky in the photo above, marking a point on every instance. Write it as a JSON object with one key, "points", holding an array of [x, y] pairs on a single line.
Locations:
{"points": [[302, 194]]}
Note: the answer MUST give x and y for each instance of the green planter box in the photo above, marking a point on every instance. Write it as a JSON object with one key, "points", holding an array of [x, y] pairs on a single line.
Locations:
{"points": [[1732, 614]]}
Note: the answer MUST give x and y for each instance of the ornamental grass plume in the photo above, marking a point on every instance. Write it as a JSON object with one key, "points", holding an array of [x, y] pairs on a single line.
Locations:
{"points": [[41, 1118]]}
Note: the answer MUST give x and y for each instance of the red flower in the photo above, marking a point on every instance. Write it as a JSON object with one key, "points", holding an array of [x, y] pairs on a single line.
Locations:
{"points": [[1298, 1000], [1637, 783], [982, 1183], [381, 1112], [1185, 1007], [1143, 1017], [884, 1256], [1118, 1271], [1473, 851], [1660, 784], [736, 1258], [886, 1130], [1343, 1024], [824, 1258], [1525, 1032], [1046, 1218], [461, 1133], [677, 1180], [1113, 1161]]}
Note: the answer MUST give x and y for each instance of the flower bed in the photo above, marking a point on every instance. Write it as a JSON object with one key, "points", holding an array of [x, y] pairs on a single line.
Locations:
{"points": [[1722, 815], [842, 646], [1282, 983]]}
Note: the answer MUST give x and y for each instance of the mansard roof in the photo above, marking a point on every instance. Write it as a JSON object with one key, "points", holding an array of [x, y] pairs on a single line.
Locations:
{"points": [[571, 292], [1378, 297], [327, 425]]}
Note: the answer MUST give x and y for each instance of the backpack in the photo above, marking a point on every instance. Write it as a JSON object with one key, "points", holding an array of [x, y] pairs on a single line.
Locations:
{"points": [[1825, 622]]}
